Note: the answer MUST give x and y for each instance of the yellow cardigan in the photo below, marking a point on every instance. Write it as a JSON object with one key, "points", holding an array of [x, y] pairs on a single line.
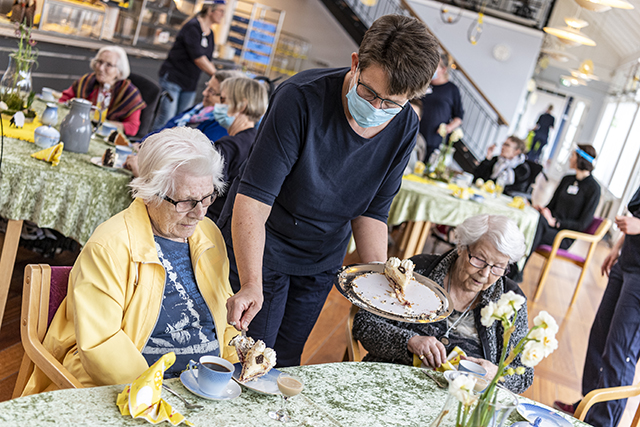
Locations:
{"points": [[114, 299]]}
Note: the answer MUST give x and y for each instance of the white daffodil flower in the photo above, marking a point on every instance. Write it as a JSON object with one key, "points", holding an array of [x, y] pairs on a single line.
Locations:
{"points": [[532, 354], [456, 135], [546, 321], [442, 130], [462, 388], [547, 338], [486, 314]]}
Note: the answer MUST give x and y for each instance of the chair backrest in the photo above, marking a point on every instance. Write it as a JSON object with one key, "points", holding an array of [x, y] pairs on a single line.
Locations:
{"points": [[607, 394], [150, 92], [44, 290], [57, 289], [353, 347], [593, 227]]}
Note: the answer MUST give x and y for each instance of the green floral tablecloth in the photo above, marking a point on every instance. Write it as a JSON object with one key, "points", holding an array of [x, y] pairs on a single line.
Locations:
{"points": [[72, 198], [337, 394]]}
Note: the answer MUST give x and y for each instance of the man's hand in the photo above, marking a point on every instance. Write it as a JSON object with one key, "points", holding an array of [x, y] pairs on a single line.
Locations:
{"points": [[492, 369], [243, 306], [432, 351], [629, 225], [609, 261]]}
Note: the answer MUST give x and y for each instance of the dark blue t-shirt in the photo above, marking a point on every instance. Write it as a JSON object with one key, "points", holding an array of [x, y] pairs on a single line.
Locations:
{"points": [[441, 104], [185, 324], [630, 254], [318, 174], [545, 121]]}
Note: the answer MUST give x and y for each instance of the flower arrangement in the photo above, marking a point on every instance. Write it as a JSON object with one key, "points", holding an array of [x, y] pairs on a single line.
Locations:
{"points": [[479, 409], [441, 162], [15, 86]]}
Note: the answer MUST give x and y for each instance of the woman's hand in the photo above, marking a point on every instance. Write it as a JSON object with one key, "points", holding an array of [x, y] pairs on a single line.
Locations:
{"points": [[432, 350], [132, 164], [492, 369], [546, 213], [629, 225]]}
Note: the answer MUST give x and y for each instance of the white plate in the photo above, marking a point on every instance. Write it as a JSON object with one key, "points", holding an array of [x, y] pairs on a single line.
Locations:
{"points": [[366, 286], [549, 418], [98, 162], [231, 391], [266, 384]]}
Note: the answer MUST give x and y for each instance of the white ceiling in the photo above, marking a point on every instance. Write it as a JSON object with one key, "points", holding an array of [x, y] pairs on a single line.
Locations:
{"points": [[616, 33]]}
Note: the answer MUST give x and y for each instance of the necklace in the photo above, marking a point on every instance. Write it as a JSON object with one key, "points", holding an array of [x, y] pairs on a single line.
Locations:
{"points": [[445, 338]]}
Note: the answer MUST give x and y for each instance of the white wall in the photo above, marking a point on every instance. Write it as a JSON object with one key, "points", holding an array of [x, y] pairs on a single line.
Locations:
{"points": [[504, 83]]}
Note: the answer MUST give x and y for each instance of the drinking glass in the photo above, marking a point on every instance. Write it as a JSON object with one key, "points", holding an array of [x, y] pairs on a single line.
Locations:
{"points": [[289, 385]]}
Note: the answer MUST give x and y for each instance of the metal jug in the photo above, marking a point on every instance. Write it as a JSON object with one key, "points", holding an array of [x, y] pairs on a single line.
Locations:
{"points": [[76, 128]]}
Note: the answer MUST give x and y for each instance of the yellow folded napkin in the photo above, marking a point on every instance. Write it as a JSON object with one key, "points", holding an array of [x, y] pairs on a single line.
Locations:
{"points": [[25, 133], [51, 154], [518, 202], [453, 359], [416, 178], [142, 398]]}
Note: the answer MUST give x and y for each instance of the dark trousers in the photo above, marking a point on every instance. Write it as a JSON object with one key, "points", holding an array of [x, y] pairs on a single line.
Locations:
{"points": [[614, 345], [536, 148], [291, 308]]}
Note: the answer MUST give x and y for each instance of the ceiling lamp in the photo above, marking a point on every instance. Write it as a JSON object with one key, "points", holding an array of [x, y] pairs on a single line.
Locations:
{"points": [[604, 5], [574, 81], [369, 2], [585, 72], [571, 35], [558, 55]]}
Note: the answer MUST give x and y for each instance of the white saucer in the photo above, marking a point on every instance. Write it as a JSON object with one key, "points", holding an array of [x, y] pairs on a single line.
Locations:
{"points": [[232, 390]]}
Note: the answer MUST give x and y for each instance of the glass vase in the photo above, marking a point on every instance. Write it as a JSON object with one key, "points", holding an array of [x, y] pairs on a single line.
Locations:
{"points": [[443, 162], [488, 411], [15, 85]]}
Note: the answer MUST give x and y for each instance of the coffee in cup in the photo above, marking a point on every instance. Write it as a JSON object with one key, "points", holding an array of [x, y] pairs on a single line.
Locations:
{"points": [[214, 373]]}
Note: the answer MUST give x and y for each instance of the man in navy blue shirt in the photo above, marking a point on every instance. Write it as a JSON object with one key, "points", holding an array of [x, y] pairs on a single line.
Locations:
{"points": [[327, 162]]}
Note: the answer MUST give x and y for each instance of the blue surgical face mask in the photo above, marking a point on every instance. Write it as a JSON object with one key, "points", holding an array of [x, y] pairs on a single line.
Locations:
{"points": [[435, 75], [365, 114], [221, 116]]}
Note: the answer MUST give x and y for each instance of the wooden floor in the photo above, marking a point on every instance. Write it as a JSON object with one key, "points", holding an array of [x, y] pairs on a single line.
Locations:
{"points": [[557, 377]]}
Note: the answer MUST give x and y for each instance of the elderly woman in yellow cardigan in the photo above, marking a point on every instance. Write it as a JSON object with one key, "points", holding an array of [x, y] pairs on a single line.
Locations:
{"points": [[153, 278]]}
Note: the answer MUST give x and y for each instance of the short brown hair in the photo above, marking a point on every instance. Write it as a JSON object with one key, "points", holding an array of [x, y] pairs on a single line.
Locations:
{"points": [[520, 144], [582, 163], [405, 49]]}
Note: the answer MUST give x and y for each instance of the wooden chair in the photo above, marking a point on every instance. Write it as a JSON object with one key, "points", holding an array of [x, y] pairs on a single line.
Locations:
{"points": [[352, 353], [606, 394], [44, 289], [593, 234]]}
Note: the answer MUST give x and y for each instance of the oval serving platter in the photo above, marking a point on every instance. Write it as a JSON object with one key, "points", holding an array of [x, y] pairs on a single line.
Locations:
{"points": [[366, 287]]}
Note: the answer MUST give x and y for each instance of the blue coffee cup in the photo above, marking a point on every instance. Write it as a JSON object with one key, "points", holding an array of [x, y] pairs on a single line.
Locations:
{"points": [[105, 129], [214, 373]]}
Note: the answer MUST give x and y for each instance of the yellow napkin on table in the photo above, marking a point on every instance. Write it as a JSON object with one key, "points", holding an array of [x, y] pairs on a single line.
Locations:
{"points": [[142, 398], [25, 134], [416, 178], [453, 359], [518, 202], [51, 154]]}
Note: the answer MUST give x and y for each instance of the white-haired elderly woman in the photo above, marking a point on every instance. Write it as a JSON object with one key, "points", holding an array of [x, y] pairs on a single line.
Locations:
{"points": [[473, 274], [110, 73], [153, 278]]}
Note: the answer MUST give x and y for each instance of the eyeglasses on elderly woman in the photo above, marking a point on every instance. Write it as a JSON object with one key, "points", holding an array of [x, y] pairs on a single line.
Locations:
{"points": [[480, 264], [183, 206]]}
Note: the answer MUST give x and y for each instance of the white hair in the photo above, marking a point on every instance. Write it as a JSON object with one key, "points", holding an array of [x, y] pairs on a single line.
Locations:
{"points": [[123, 61], [167, 152], [501, 231]]}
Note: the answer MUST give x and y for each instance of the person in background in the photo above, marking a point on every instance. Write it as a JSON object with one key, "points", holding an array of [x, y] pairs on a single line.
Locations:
{"points": [[541, 134], [614, 343], [510, 165], [189, 56], [111, 67], [572, 206], [288, 220], [473, 274], [441, 104], [245, 101], [421, 145], [153, 278]]}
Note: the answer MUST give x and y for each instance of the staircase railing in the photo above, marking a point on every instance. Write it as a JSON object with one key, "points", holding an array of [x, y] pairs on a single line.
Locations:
{"points": [[482, 120]]}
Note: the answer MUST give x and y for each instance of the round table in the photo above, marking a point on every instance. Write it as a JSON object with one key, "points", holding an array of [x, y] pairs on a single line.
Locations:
{"points": [[335, 394]]}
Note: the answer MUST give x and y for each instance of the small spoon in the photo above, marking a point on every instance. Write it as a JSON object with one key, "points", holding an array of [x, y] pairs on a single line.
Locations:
{"points": [[187, 403], [435, 380]]}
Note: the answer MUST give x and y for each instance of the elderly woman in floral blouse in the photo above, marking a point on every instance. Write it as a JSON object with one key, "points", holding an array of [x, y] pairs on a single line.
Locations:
{"points": [[473, 274]]}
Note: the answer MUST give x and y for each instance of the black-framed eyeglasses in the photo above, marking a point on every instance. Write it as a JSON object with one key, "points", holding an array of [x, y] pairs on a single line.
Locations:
{"points": [[480, 264], [183, 206], [211, 92], [107, 65], [370, 95]]}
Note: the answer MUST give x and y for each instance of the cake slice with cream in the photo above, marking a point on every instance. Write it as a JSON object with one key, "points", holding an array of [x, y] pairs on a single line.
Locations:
{"points": [[399, 273]]}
